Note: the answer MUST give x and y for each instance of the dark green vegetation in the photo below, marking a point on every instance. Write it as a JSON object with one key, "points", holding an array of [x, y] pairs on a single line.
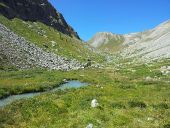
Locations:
{"points": [[126, 98]]}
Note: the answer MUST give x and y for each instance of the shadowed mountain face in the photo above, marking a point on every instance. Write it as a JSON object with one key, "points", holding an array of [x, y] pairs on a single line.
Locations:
{"points": [[36, 10]]}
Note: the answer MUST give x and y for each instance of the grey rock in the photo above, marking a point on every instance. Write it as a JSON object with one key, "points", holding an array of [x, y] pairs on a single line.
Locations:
{"points": [[24, 54]]}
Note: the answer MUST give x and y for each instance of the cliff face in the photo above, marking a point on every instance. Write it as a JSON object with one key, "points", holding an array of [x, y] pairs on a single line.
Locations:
{"points": [[36, 10]]}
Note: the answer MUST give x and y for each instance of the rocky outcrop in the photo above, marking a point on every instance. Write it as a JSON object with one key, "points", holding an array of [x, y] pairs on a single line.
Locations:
{"points": [[25, 55], [36, 10]]}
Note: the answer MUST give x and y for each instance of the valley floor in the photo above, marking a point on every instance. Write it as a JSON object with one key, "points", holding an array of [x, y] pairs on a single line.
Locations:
{"points": [[128, 96]]}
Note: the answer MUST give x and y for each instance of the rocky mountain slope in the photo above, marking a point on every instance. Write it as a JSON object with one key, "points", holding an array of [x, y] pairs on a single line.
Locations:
{"points": [[36, 10], [148, 45], [33, 34], [24, 54]]}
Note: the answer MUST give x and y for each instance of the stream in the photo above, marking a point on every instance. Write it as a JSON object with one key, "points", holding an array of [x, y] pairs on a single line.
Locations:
{"points": [[69, 84]]}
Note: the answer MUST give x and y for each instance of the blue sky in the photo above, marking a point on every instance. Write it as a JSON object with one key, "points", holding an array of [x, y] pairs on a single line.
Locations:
{"points": [[88, 17]]}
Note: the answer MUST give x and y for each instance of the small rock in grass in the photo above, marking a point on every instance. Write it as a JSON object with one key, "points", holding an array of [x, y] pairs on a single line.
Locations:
{"points": [[148, 78], [133, 71], [45, 36], [150, 119], [89, 126], [65, 80], [94, 103], [97, 86], [53, 43], [165, 70]]}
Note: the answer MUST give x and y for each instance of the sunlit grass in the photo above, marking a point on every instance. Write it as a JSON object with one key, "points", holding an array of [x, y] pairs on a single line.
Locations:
{"points": [[124, 101]]}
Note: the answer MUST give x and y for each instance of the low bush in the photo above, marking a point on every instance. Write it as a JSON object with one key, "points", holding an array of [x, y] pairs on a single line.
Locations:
{"points": [[138, 104], [161, 106], [118, 105], [166, 126]]}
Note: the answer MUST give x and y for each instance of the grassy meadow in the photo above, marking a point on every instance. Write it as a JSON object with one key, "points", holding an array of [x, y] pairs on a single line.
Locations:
{"points": [[131, 95], [126, 98]]}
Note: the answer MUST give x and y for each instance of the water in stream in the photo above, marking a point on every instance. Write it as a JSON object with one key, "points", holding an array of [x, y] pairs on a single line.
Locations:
{"points": [[69, 84]]}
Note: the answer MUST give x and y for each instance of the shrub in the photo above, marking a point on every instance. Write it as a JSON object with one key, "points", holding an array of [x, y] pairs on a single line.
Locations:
{"points": [[161, 106], [118, 105], [127, 87], [139, 104], [166, 126]]}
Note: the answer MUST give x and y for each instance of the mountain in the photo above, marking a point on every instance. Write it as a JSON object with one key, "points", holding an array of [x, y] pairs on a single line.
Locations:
{"points": [[106, 40], [24, 55], [151, 44], [36, 10], [34, 35]]}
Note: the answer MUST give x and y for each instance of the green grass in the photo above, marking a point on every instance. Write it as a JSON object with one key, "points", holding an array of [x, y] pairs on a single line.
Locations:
{"points": [[43, 35], [124, 100], [17, 82], [71, 108], [113, 45]]}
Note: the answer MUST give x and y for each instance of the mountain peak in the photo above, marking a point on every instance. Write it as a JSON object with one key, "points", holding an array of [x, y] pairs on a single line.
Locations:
{"points": [[102, 38], [104, 33]]}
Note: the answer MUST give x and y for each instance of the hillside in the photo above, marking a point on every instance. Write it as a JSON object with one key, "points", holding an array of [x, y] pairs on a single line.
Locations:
{"points": [[30, 43], [36, 11], [106, 41], [148, 45]]}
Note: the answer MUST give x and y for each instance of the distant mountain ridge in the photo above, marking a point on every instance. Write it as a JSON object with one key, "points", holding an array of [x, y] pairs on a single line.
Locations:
{"points": [[106, 40], [36, 10], [151, 44]]}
